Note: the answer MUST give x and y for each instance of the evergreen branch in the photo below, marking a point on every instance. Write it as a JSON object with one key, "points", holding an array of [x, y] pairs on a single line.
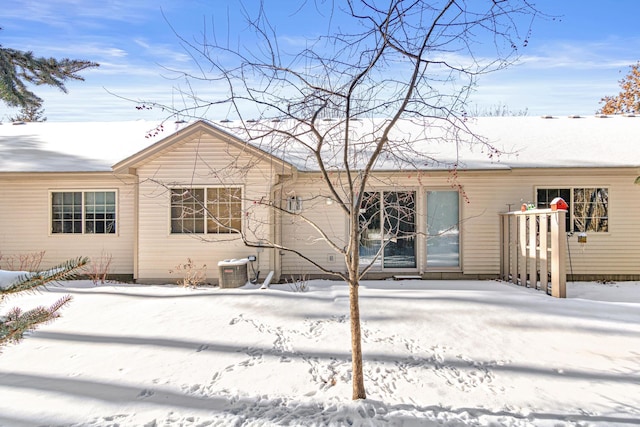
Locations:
{"points": [[16, 323], [65, 271], [17, 68]]}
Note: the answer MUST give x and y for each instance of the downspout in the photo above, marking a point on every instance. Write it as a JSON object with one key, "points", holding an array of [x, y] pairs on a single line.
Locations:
{"points": [[136, 226], [275, 230], [276, 223], [421, 238]]}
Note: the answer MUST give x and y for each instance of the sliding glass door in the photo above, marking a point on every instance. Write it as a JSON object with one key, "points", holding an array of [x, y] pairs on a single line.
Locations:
{"points": [[389, 229], [388, 223], [443, 229]]}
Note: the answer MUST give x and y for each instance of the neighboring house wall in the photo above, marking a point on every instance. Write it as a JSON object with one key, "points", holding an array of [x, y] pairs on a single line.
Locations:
{"points": [[25, 219], [614, 253], [200, 161]]}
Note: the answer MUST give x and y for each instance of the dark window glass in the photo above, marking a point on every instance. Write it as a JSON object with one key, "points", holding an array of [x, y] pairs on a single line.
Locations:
{"points": [[588, 207], [66, 212]]}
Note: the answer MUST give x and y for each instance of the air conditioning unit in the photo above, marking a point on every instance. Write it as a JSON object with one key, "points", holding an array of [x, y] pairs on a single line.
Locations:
{"points": [[233, 273]]}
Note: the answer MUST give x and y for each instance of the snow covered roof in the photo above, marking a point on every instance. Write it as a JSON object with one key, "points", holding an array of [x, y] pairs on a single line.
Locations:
{"points": [[609, 141], [524, 142], [482, 143], [75, 147]]}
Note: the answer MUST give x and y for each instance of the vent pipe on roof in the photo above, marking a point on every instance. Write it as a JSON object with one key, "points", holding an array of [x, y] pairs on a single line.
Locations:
{"points": [[546, 117], [575, 116], [602, 116]]}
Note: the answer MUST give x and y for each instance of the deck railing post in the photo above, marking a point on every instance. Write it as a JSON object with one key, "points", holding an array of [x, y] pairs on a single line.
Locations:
{"points": [[513, 248], [522, 249], [558, 254], [504, 247], [533, 251], [544, 253]]}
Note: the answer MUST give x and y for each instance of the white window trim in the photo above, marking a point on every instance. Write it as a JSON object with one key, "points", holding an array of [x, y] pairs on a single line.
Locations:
{"points": [[83, 191], [205, 187], [571, 189], [424, 234], [419, 254]]}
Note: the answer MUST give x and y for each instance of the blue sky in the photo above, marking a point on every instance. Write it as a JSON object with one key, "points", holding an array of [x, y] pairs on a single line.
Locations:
{"points": [[568, 65]]}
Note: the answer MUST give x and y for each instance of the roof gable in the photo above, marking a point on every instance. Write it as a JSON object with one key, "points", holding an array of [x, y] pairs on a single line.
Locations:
{"points": [[98, 146], [182, 136]]}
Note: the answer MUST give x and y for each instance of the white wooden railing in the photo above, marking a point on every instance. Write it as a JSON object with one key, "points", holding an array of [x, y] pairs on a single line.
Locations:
{"points": [[533, 250]]}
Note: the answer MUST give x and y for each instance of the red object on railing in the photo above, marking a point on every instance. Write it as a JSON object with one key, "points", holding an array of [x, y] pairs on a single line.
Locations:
{"points": [[559, 203]]}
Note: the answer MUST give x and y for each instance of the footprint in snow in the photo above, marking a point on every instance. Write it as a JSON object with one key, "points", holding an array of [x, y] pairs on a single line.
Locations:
{"points": [[145, 393]]}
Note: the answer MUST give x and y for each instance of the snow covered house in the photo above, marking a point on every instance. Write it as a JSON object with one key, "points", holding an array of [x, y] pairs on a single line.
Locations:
{"points": [[133, 191]]}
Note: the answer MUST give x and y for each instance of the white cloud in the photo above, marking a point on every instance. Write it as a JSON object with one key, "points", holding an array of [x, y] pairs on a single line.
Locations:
{"points": [[605, 54], [115, 52], [80, 12], [142, 43]]}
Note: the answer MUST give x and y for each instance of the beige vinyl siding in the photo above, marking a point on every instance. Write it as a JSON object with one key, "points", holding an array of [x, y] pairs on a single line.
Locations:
{"points": [[610, 253], [488, 193], [487, 196], [297, 234], [201, 161], [300, 235], [25, 219]]}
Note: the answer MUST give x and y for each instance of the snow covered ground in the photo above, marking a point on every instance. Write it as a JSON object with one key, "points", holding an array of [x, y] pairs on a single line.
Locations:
{"points": [[453, 353]]}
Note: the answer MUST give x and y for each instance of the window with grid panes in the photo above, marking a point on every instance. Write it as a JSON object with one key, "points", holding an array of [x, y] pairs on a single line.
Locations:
{"points": [[83, 212], [588, 207], [212, 210]]}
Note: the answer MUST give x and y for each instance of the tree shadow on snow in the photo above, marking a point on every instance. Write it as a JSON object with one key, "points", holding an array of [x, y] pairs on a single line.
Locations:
{"points": [[275, 410], [424, 360]]}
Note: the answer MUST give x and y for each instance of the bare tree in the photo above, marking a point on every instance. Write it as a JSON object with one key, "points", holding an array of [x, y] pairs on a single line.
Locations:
{"points": [[337, 102], [497, 110]]}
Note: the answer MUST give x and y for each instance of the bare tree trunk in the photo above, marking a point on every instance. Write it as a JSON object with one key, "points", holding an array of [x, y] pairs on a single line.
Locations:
{"points": [[356, 341], [353, 265]]}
